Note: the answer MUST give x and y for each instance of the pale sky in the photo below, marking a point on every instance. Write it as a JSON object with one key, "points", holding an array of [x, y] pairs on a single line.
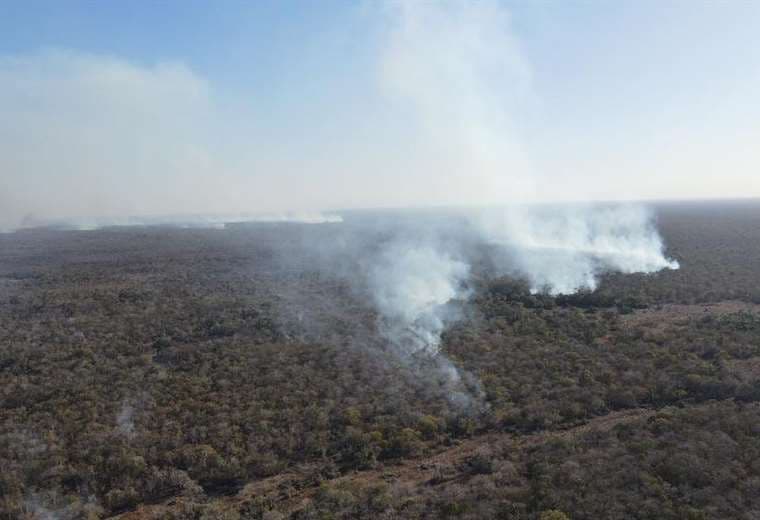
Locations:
{"points": [[153, 108]]}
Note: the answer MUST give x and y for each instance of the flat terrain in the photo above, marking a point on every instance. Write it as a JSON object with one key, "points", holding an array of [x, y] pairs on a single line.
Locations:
{"points": [[238, 373]]}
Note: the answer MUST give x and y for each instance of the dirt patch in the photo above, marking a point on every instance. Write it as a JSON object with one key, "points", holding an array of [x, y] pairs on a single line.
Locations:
{"points": [[289, 492], [435, 468]]}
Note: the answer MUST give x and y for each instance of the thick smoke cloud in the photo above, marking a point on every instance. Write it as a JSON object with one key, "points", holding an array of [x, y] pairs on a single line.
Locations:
{"points": [[416, 287], [419, 282], [562, 249], [412, 285]]}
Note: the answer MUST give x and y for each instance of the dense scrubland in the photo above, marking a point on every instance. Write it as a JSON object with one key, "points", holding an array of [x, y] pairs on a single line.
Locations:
{"points": [[179, 373]]}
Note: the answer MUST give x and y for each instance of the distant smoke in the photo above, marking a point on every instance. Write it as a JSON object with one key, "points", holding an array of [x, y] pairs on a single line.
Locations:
{"points": [[177, 221], [562, 249], [428, 119]]}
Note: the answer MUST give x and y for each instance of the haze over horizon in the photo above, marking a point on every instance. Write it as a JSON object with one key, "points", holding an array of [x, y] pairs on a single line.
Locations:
{"points": [[114, 110]]}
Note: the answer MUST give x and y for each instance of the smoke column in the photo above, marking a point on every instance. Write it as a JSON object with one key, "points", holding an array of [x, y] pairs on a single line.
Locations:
{"points": [[411, 286], [458, 71], [414, 286]]}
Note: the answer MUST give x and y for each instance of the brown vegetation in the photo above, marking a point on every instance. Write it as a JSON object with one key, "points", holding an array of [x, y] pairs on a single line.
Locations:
{"points": [[165, 373]]}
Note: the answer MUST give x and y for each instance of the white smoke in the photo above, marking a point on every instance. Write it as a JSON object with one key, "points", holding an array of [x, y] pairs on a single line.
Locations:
{"points": [[125, 419], [462, 72], [415, 286], [459, 72], [412, 285], [565, 249]]}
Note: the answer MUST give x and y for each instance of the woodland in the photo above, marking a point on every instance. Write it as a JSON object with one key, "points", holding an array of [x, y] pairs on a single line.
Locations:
{"points": [[150, 373]]}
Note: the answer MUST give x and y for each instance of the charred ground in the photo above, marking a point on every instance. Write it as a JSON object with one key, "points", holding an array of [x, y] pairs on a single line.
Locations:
{"points": [[161, 373]]}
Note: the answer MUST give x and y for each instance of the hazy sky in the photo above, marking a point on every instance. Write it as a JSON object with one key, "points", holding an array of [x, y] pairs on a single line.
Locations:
{"points": [[148, 107]]}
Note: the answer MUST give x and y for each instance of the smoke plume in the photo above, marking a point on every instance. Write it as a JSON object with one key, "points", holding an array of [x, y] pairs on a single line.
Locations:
{"points": [[459, 70], [411, 286], [416, 286], [562, 249]]}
